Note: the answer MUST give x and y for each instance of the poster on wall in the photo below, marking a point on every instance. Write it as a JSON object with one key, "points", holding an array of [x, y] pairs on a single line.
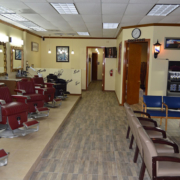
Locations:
{"points": [[110, 52], [119, 60], [172, 43], [62, 53], [34, 46], [18, 54]]}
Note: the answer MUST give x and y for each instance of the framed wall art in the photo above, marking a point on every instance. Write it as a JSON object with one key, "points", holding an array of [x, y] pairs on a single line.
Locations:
{"points": [[172, 43], [62, 53], [34, 46], [18, 54]]}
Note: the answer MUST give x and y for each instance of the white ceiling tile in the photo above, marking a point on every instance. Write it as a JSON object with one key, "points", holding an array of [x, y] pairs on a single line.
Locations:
{"points": [[111, 18], [42, 8], [52, 17], [72, 18], [39, 1], [85, 1], [93, 25], [151, 19], [176, 12], [142, 1], [131, 19], [92, 18], [46, 25], [80, 29], [89, 8], [77, 24], [170, 19], [33, 17], [127, 24], [169, 1], [113, 8], [96, 34], [60, 24], [61, 1], [14, 5], [66, 29], [115, 1], [138, 9]]}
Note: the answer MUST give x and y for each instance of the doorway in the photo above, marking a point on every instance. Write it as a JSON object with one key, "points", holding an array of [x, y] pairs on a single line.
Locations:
{"points": [[94, 66], [135, 71]]}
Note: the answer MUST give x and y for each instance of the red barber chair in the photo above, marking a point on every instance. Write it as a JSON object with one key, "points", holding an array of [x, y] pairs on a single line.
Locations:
{"points": [[35, 101], [48, 92], [15, 115]]}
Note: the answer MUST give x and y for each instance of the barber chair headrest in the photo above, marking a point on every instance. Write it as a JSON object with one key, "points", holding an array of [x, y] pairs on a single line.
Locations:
{"points": [[36, 76], [24, 79]]}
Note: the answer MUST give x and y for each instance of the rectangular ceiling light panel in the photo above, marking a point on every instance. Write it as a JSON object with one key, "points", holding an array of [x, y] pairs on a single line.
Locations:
{"points": [[4, 10], [162, 9], [65, 8], [83, 33], [110, 25], [14, 17], [37, 28]]}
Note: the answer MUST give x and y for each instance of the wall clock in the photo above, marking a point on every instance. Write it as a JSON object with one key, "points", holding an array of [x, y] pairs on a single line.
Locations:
{"points": [[136, 33]]}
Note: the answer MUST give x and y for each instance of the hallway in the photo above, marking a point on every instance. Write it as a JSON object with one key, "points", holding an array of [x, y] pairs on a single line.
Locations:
{"points": [[92, 144]]}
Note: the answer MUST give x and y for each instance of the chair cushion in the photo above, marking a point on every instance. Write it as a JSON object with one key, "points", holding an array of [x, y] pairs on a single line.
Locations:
{"points": [[13, 108], [35, 97], [163, 148], [172, 113], [146, 123], [50, 90], [169, 168], [157, 113], [154, 134]]}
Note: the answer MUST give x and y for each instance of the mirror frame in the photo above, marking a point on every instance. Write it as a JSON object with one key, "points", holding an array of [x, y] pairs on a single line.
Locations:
{"points": [[5, 61], [22, 63]]}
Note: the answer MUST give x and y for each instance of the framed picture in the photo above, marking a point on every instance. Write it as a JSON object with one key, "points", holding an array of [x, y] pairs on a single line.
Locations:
{"points": [[119, 60], [172, 43], [34, 46], [62, 53], [18, 54]]}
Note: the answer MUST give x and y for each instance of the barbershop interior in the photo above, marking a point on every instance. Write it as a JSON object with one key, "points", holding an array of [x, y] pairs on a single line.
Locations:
{"points": [[89, 90]]}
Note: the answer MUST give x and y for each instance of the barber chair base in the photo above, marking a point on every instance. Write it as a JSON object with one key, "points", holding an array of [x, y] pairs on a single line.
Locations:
{"points": [[55, 103], [63, 97], [40, 112], [28, 128], [3, 157]]}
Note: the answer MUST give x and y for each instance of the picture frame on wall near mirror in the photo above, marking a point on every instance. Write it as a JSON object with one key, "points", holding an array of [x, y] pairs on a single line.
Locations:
{"points": [[172, 43], [34, 46], [62, 53], [119, 60], [18, 54]]}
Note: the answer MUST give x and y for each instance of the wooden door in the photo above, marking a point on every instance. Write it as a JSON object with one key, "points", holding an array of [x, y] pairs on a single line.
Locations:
{"points": [[133, 78], [94, 66]]}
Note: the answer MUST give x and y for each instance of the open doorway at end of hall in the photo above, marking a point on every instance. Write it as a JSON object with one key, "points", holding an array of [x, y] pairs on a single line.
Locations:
{"points": [[95, 65], [135, 71]]}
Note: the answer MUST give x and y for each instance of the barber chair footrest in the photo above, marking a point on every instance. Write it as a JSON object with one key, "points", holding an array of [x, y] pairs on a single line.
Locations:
{"points": [[40, 112], [3, 157], [63, 97], [55, 103]]}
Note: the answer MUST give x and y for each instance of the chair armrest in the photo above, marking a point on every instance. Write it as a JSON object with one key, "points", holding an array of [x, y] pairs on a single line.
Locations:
{"points": [[156, 129], [167, 142], [49, 84], [20, 91], [39, 85], [148, 120], [42, 90], [141, 112], [2, 102], [166, 107]]}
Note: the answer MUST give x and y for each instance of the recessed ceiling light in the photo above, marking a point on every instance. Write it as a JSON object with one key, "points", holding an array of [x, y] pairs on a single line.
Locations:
{"points": [[4, 10], [65, 8], [14, 17], [110, 25], [37, 28], [162, 9], [83, 33]]}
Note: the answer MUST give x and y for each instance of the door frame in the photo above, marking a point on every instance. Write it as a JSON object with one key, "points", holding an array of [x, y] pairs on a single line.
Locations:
{"points": [[125, 67], [103, 69], [96, 66]]}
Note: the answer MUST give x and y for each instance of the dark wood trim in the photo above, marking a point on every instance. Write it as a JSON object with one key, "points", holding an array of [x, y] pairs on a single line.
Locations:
{"points": [[109, 90], [84, 90], [32, 33], [6, 23], [126, 43], [54, 37], [75, 94], [103, 70], [87, 61], [5, 59]]}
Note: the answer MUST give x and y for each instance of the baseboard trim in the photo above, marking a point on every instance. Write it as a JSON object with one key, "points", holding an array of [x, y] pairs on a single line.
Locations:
{"points": [[83, 89], [75, 94], [109, 90]]}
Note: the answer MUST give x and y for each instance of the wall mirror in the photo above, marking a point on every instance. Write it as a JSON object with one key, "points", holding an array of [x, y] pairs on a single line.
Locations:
{"points": [[3, 62], [17, 58]]}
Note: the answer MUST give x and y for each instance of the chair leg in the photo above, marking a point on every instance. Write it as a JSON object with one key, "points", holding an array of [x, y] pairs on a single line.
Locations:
{"points": [[142, 171], [128, 131], [136, 154], [166, 124], [160, 121], [131, 143]]}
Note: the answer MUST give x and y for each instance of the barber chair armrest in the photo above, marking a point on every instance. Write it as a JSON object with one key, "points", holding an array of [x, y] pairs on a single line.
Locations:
{"points": [[20, 91], [20, 97], [41, 90], [49, 84], [156, 129], [144, 113], [2, 102], [39, 85], [167, 142], [148, 120]]}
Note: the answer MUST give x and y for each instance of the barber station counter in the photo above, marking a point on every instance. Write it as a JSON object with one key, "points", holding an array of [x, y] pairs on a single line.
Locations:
{"points": [[11, 84], [23, 77]]}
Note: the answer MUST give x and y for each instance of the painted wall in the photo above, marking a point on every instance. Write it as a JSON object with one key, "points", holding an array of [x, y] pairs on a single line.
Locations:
{"points": [[77, 60], [110, 80]]}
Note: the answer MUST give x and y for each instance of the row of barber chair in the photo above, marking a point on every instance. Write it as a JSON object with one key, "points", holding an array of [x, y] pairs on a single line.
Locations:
{"points": [[29, 104], [160, 155]]}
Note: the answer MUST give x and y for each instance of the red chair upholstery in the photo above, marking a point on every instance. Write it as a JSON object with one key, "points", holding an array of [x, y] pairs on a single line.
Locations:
{"points": [[49, 90], [27, 89]]}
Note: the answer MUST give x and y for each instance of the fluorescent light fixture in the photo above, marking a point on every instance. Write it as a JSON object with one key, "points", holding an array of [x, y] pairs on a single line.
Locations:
{"points": [[4, 38], [16, 41], [65, 8], [14, 17], [83, 33], [33, 26], [110, 25], [1, 50], [162, 9], [37, 28], [3, 10]]}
